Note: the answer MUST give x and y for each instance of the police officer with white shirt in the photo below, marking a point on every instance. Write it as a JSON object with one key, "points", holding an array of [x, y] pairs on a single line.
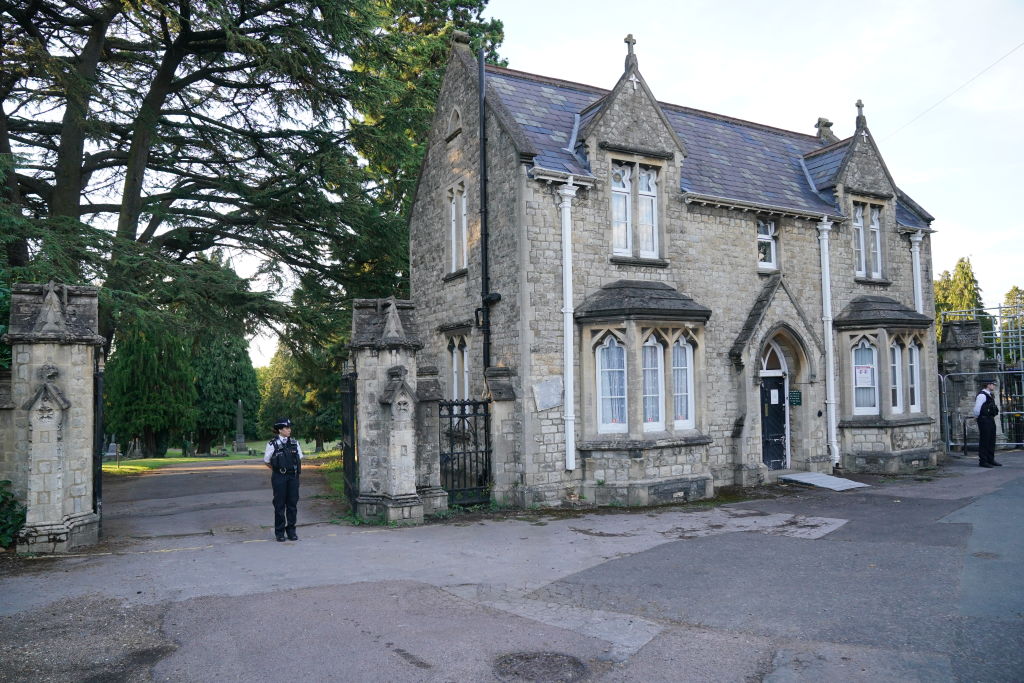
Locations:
{"points": [[283, 456], [985, 409]]}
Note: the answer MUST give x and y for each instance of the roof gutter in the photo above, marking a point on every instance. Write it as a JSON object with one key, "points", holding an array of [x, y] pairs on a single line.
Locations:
{"points": [[552, 176], [740, 205]]}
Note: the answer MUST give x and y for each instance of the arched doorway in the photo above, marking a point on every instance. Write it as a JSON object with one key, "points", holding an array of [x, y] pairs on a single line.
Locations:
{"points": [[774, 408]]}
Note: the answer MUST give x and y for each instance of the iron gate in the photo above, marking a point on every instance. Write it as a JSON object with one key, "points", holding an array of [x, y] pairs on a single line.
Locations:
{"points": [[465, 449], [350, 458]]}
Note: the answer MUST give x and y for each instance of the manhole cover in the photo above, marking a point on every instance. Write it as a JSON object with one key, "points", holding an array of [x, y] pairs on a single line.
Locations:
{"points": [[540, 666]]}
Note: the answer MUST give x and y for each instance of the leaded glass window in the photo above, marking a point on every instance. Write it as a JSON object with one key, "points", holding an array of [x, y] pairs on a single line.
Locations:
{"points": [[865, 378], [611, 386], [654, 385]]}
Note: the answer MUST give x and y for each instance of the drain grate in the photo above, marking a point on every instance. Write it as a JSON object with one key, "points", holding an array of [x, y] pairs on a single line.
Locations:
{"points": [[553, 667]]}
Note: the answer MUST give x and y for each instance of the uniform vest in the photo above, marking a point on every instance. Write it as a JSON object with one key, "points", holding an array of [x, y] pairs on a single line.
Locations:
{"points": [[988, 408], [286, 456]]}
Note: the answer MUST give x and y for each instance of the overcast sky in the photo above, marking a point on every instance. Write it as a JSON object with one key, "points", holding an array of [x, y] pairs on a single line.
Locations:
{"points": [[942, 83]]}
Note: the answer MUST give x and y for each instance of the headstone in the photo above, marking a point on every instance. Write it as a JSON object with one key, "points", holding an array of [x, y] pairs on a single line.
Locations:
{"points": [[240, 445]]}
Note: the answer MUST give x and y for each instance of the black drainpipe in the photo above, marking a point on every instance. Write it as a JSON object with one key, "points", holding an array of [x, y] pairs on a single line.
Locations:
{"points": [[487, 297]]}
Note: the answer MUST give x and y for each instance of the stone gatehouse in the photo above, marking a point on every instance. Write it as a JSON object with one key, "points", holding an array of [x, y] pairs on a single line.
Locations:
{"points": [[672, 300]]}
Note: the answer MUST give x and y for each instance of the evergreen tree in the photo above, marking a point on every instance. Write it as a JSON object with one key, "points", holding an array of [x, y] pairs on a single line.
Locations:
{"points": [[1012, 327], [136, 137], [958, 297], [149, 387], [280, 395], [224, 375]]}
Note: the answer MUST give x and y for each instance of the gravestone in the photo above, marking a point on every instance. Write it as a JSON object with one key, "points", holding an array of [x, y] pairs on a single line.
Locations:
{"points": [[240, 446]]}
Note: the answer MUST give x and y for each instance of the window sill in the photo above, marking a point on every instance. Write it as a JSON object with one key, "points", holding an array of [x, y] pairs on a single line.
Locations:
{"points": [[455, 275], [886, 421], [767, 270], [639, 262], [877, 281], [635, 447]]}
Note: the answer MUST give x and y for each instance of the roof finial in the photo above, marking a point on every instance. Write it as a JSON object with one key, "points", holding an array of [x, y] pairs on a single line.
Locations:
{"points": [[861, 121], [630, 57]]}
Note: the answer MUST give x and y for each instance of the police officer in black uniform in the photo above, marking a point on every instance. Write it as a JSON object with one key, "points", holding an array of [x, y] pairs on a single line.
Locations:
{"points": [[985, 409], [283, 456]]}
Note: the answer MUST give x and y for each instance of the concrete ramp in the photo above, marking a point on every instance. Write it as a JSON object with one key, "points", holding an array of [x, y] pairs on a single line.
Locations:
{"points": [[826, 481]]}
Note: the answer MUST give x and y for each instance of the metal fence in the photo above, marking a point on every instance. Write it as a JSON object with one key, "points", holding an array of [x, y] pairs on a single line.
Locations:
{"points": [[1002, 338]]}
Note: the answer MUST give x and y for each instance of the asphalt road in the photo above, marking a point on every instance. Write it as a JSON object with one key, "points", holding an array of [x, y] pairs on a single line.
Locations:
{"points": [[907, 580]]}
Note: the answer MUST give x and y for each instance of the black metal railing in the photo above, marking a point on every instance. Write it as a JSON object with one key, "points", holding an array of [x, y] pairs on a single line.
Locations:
{"points": [[465, 448], [350, 456]]}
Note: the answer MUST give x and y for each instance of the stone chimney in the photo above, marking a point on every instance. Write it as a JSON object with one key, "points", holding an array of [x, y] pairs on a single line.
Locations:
{"points": [[825, 133]]}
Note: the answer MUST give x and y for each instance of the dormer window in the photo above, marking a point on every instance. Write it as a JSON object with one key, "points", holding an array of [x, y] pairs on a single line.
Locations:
{"points": [[767, 251], [867, 240], [634, 210]]}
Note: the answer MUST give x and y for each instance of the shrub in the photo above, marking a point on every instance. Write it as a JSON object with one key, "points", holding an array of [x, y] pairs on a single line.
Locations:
{"points": [[12, 515]]}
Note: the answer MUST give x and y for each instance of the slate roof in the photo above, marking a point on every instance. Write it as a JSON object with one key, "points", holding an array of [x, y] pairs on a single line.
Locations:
{"points": [[728, 158], [871, 311], [908, 217], [640, 299], [823, 165]]}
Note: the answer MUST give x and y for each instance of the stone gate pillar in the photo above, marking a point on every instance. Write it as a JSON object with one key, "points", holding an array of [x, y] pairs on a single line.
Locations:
{"points": [[53, 338], [428, 452], [384, 354], [962, 357]]}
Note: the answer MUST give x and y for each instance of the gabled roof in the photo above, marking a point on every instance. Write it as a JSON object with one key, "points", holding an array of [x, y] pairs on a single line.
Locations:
{"points": [[823, 164], [727, 159]]}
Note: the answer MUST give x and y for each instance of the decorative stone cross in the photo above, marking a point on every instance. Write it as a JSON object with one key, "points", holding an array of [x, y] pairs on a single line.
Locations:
{"points": [[864, 134], [860, 108], [634, 80], [630, 41]]}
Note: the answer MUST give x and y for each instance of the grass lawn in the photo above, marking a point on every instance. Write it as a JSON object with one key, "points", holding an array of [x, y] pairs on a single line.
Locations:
{"points": [[144, 464], [325, 460], [331, 465]]}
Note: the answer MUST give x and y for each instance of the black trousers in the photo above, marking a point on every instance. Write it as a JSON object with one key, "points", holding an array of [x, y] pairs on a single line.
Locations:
{"points": [[286, 501], [987, 440]]}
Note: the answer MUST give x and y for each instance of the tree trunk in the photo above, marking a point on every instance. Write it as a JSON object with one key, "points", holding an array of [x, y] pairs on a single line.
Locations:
{"points": [[319, 442], [149, 443], [67, 188], [205, 444], [144, 130]]}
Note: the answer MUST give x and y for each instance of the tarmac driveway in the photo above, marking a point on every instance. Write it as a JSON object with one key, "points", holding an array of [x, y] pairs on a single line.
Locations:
{"points": [[904, 581]]}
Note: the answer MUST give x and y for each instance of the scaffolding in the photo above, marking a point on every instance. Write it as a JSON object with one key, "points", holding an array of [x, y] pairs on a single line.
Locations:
{"points": [[1002, 340]]}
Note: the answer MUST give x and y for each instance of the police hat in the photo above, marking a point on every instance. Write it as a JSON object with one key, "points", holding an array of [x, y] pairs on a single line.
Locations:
{"points": [[988, 380], [283, 422]]}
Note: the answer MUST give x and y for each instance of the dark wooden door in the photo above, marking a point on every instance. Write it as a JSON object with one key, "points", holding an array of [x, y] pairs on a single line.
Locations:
{"points": [[773, 422]]}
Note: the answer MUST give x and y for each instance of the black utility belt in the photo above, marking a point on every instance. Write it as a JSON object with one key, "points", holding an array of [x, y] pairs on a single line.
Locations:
{"points": [[284, 471]]}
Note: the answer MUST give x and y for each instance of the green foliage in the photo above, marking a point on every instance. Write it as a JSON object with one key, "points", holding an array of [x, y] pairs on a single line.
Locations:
{"points": [[224, 375], [280, 395], [138, 140], [5, 317], [958, 297], [149, 385], [138, 137], [12, 515]]}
